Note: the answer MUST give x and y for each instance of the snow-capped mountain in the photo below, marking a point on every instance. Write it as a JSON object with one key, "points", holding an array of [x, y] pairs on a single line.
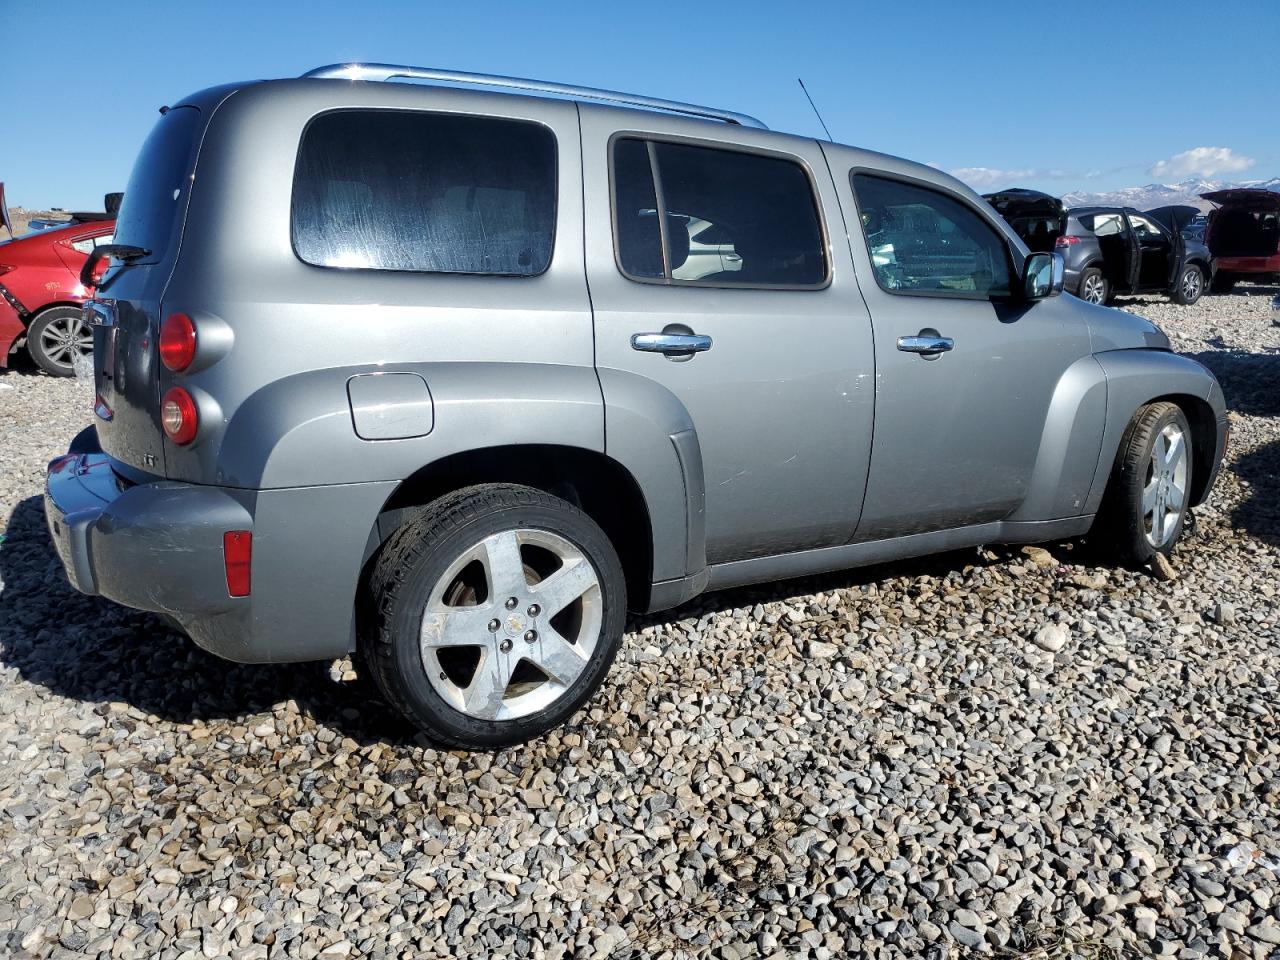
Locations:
{"points": [[1164, 194]]}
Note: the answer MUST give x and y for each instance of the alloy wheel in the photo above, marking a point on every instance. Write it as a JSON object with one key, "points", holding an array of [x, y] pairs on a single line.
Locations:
{"points": [[1094, 289], [65, 340], [1164, 497], [1191, 283], [511, 625]]}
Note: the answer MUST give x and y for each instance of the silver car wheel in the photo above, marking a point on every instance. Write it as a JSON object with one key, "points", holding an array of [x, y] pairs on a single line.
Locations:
{"points": [[65, 339], [1164, 498], [1191, 282], [1094, 289], [511, 625]]}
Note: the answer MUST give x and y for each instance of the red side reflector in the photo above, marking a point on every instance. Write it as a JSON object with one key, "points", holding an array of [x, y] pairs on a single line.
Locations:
{"points": [[237, 557], [1066, 241]]}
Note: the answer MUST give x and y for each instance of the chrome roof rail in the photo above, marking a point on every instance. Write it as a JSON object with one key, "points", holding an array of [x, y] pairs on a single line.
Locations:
{"points": [[387, 71]]}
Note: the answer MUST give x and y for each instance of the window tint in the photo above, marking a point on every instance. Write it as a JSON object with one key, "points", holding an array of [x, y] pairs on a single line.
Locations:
{"points": [[924, 241], [394, 190], [156, 196], [730, 218]]}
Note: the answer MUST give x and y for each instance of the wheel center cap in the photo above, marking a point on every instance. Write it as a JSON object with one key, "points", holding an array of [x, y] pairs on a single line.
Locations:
{"points": [[513, 625]]}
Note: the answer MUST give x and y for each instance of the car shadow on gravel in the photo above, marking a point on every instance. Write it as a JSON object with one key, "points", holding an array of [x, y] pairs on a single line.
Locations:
{"points": [[1259, 513], [1250, 381], [89, 649]]}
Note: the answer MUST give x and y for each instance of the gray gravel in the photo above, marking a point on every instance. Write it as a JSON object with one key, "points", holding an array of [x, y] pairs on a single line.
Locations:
{"points": [[1000, 751]]}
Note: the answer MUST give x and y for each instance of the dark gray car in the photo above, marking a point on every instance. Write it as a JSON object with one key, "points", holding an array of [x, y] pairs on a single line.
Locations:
{"points": [[1110, 251], [442, 378]]}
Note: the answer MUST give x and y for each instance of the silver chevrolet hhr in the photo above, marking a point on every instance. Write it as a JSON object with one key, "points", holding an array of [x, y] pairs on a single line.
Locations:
{"points": [[452, 378]]}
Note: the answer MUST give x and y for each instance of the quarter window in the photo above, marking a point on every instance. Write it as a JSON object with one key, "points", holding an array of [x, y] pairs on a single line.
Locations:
{"points": [[728, 218], [436, 193], [923, 241]]}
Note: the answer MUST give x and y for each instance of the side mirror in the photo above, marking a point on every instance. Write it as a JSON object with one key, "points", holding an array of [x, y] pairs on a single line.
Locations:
{"points": [[1042, 275]]}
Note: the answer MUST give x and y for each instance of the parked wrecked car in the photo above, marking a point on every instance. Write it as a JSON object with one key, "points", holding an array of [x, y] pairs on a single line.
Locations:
{"points": [[41, 293], [454, 405], [1244, 235], [1109, 251]]}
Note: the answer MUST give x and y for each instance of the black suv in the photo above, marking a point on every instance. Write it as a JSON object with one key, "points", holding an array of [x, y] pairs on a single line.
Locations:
{"points": [[1109, 250]]}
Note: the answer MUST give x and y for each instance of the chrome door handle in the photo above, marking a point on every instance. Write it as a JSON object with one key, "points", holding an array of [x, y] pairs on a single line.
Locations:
{"points": [[670, 342], [926, 345]]}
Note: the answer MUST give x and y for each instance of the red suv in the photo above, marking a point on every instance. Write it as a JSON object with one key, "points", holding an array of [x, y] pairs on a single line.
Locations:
{"points": [[1244, 236], [41, 293]]}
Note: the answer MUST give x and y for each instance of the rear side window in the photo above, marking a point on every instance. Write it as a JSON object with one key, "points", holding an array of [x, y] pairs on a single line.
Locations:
{"points": [[1104, 224], [156, 196], [728, 218], [434, 193], [923, 241]]}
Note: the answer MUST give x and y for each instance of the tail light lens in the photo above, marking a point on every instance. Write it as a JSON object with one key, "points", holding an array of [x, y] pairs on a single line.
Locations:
{"points": [[237, 558], [178, 416], [177, 342], [1066, 241]]}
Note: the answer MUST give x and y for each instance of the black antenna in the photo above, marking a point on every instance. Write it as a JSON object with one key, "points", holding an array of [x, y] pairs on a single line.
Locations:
{"points": [[815, 109]]}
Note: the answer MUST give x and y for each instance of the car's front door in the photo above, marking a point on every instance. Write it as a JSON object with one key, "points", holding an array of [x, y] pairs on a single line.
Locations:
{"points": [[781, 390], [1155, 253], [965, 368]]}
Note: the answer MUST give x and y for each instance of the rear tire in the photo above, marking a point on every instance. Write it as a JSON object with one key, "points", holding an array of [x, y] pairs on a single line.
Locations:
{"points": [[1190, 285], [56, 338], [1223, 283], [449, 648], [1149, 492], [1093, 286]]}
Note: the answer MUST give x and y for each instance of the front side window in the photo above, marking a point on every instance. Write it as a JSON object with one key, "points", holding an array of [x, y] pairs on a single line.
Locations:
{"points": [[924, 241], [428, 192], [1144, 229], [728, 218]]}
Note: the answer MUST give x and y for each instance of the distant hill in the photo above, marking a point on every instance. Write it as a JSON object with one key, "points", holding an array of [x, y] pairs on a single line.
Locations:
{"points": [[1164, 194]]}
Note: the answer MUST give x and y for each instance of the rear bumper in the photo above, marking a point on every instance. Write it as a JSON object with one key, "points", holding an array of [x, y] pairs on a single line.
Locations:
{"points": [[158, 546], [12, 329], [1248, 264]]}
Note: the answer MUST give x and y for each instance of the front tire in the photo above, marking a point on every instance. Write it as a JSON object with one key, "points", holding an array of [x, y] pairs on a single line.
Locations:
{"points": [[1190, 285], [1093, 286], [1149, 492], [57, 338], [495, 615]]}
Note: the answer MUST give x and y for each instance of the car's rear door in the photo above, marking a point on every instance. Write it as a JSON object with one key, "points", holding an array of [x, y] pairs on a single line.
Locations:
{"points": [[782, 396]]}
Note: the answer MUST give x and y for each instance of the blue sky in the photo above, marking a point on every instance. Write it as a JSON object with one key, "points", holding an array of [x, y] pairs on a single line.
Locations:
{"points": [[1058, 96]]}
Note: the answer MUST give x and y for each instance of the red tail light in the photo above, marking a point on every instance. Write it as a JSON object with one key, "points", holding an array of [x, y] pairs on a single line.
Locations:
{"points": [[177, 342], [237, 557], [1066, 241], [178, 416]]}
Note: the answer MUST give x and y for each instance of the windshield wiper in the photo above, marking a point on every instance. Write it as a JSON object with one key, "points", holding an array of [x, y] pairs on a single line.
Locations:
{"points": [[121, 251]]}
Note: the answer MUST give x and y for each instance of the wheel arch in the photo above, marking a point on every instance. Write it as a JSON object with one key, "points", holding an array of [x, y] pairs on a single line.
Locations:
{"points": [[600, 486], [1204, 440], [33, 315], [1136, 378]]}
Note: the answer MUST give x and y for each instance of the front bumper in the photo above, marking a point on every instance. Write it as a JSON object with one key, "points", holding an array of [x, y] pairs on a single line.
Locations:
{"points": [[157, 546]]}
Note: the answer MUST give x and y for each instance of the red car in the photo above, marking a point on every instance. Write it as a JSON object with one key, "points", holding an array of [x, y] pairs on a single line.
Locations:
{"points": [[1244, 236], [41, 293]]}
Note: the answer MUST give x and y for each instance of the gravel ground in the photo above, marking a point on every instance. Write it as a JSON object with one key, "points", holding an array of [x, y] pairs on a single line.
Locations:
{"points": [[1000, 751]]}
